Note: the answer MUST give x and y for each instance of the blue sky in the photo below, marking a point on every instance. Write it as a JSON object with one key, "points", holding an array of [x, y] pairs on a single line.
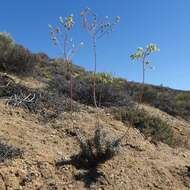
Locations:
{"points": [[164, 22]]}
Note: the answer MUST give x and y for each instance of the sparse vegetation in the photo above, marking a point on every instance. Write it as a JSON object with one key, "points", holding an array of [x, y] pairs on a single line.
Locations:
{"points": [[174, 102], [48, 105], [108, 89], [59, 125], [151, 127], [65, 87]]}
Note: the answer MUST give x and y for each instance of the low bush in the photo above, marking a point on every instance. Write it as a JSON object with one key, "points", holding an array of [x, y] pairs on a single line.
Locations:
{"points": [[173, 102], [7, 85], [48, 105], [15, 58], [150, 126], [8, 152], [107, 93]]}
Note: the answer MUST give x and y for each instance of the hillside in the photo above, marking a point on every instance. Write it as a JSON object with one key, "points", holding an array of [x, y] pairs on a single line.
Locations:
{"points": [[140, 165], [38, 135]]}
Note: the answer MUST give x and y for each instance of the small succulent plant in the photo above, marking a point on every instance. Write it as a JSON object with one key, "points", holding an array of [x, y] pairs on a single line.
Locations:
{"points": [[99, 149]]}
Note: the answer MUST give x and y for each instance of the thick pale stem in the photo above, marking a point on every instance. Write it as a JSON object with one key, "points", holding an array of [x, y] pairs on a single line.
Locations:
{"points": [[71, 85], [65, 47], [94, 73], [143, 79], [69, 68]]}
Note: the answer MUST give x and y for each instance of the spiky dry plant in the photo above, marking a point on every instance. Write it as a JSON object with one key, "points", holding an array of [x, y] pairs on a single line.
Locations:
{"points": [[61, 37], [96, 30], [99, 149]]}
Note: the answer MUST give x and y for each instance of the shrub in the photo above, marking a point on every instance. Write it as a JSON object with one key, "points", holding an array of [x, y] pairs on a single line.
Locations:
{"points": [[42, 57], [183, 97], [51, 105], [6, 46], [48, 105], [8, 152], [107, 93], [150, 126], [7, 85], [173, 102], [14, 58]]}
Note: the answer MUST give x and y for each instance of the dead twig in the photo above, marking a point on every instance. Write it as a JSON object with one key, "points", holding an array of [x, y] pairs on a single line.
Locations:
{"points": [[21, 100]]}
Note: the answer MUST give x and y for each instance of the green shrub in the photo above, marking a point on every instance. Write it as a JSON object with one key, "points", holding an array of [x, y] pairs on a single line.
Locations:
{"points": [[6, 47], [150, 126], [183, 97], [14, 58]]}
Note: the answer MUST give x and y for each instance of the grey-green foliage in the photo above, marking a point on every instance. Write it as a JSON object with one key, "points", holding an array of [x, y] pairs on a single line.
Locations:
{"points": [[99, 149], [6, 47], [100, 141], [61, 36], [84, 145], [6, 44], [142, 54]]}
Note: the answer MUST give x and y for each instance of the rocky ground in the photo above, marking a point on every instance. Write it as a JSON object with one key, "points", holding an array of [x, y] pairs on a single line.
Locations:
{"points": [[139, 166]]}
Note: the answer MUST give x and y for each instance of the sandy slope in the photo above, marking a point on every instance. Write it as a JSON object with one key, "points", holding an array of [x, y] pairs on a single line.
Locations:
{"points": [[139, 166]]}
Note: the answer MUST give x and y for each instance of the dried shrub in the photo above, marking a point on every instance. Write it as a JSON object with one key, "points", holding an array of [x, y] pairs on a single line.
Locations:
{"points": [[22, 100], [48, 105], [7, 84], [8, 152]]}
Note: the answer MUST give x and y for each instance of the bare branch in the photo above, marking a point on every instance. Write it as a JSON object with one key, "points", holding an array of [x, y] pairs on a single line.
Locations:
{"points": [[21, 100]]}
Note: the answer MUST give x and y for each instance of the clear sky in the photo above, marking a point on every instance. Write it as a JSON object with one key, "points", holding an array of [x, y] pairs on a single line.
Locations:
{"points": [[164, 22]]}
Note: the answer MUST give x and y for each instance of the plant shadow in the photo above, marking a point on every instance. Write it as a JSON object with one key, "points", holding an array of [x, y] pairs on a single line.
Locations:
{"points": [[88, 173]]}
